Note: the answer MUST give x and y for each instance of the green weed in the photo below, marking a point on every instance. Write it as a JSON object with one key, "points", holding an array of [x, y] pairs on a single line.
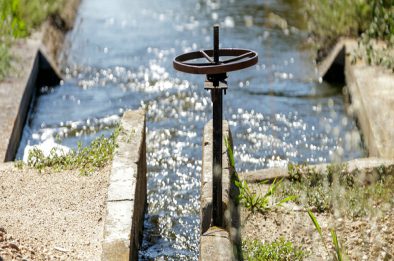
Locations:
{"points": [[255, 202], [18, 19], [318, 228], [4, 60], [18, 164], [367, 20], [86, 159], [339, 252], [277, 250], [338, 189]]}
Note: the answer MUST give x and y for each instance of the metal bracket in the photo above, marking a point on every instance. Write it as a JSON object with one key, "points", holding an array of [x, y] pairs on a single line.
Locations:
{"points": [[208, 85]]}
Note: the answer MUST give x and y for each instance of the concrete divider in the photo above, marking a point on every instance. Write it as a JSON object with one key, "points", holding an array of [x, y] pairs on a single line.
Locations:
{"points": [[218, 243], [367, 169], [127, 191]]}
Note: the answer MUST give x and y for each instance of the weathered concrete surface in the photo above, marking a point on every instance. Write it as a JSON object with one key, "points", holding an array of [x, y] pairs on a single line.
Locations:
{"points": [[206, 177], [34, 63], [15, 93], [365, 167], [217, 243], [371, 91], [331, 69], [127, 191]]}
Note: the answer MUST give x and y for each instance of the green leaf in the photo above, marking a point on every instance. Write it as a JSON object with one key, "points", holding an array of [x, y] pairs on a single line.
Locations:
{"points": [[338, 250], [318, 228], [287, 199], [229, 152]]}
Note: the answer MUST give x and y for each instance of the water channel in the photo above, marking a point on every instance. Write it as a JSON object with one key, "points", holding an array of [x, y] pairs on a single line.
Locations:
{"points": [[119, 56]]}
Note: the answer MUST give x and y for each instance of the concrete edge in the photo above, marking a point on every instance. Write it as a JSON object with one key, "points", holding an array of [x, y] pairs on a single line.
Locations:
{"points": [[364, 166], [331, 68], [127, 191], [215, 244], [372, 137], [339, 67], [43, 70], [218, 243]]}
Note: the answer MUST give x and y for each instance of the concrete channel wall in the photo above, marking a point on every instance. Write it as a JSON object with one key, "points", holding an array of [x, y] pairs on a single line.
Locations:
{"points": [[36, 63], [217, 243], [367, 169], [127, 191], [371, 92]]}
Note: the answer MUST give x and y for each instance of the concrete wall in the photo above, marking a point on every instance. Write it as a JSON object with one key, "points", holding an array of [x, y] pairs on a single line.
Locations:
{"points": [[367, 169], [127, 191], [371, 92], [36, 60], [217, 243]]}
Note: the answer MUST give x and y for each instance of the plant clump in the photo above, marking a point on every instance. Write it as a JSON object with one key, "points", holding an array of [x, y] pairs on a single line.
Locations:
{"points": [[255, 202], [351, 192], [86, 159], [18, 19], [279, 249], [370, 21]]}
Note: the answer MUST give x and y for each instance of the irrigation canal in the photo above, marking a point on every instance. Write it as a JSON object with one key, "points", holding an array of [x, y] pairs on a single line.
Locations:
{"points": [[119, 56]]}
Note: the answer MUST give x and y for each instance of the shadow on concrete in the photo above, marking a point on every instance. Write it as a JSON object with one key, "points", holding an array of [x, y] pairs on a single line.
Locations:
{"points": [[235, 232], [42, 74]]}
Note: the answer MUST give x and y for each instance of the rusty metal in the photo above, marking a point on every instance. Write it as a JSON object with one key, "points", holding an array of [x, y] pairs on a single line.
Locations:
{"points": [[216, 71], [241, 58], [217, 135]]}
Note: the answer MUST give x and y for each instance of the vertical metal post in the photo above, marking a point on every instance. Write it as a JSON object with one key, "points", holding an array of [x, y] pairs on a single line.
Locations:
{"points": [[217, 118], [216, 44]]}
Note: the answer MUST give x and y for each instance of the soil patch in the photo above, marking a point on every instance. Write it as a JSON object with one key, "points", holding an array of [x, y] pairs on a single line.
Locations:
{"points": [[47, 216], [368, 237]]}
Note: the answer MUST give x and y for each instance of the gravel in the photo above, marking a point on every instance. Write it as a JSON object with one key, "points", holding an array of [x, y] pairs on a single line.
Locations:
{"points": [[367, 238], [51, 216]]}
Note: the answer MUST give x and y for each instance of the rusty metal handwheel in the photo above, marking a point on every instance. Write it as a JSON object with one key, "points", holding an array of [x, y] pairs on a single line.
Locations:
{"points": [[216, 74], [242, 58]]}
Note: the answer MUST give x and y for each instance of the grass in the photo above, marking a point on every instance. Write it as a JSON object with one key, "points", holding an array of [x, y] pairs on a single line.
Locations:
{"points": [[255, 202], [86, 159], [337, 189], [318, 228], [18, 19], [367, 20], [277, 250], [339, 252], [330, 19], [258, 202], [4, 60]]}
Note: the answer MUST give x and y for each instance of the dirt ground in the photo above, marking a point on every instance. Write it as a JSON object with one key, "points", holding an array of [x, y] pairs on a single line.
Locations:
{"points": [[51, 216], [368, 238]]}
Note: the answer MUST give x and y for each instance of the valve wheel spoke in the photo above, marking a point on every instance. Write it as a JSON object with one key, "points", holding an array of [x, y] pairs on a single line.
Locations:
{"points": [[240, 57], [207, 57]]}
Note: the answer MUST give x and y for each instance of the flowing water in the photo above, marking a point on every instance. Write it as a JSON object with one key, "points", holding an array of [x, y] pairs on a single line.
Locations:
{"points": [[119, 56]]}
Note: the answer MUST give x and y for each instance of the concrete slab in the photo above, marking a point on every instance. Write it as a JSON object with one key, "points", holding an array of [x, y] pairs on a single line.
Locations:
{"points": [[206, 177], [365, 167], [217, 243], [127, 191], [372, 93]]}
